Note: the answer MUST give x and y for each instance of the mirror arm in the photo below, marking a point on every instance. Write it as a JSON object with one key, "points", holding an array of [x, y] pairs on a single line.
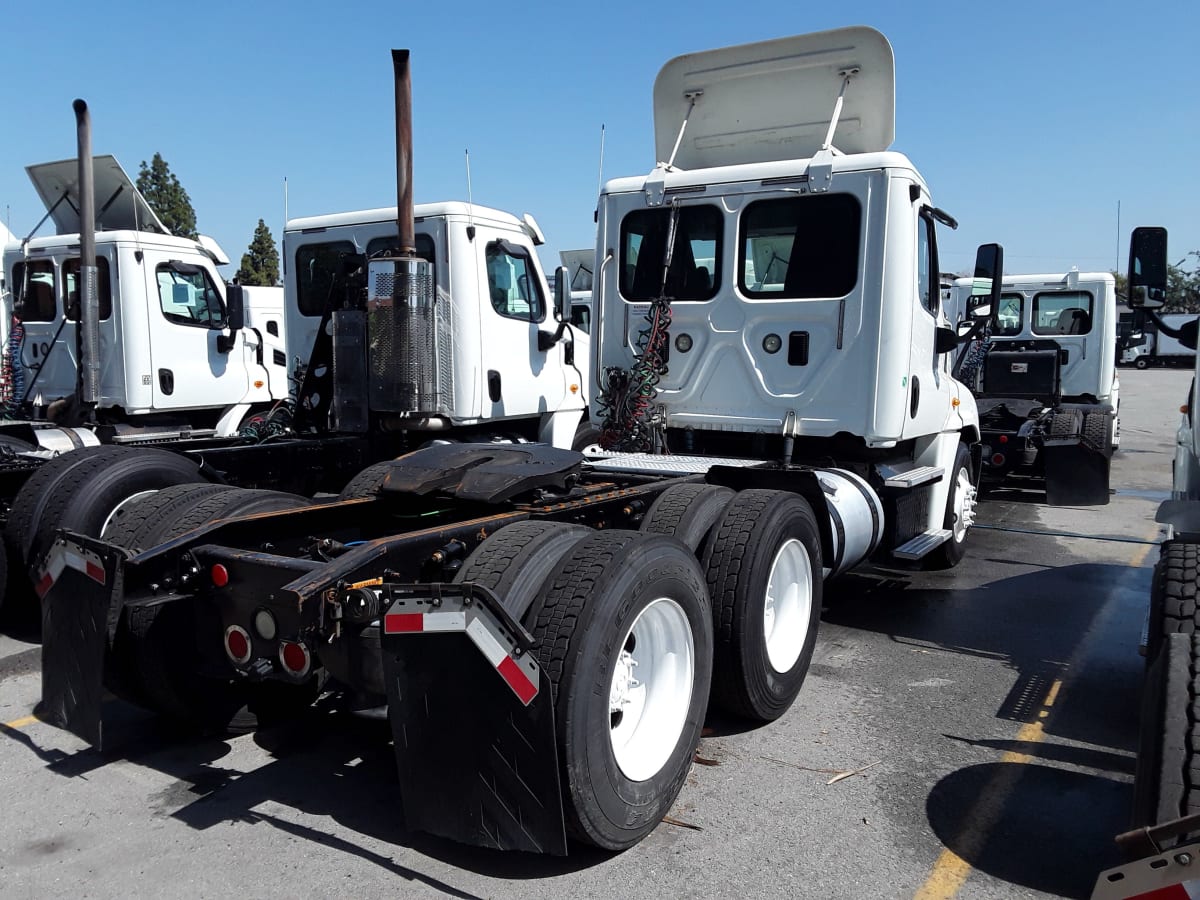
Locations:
{"points": [[1161, 325], [546, 340]]}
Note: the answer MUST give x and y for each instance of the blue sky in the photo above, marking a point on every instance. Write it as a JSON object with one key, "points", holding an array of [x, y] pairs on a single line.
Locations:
{"points": [[1029, 120]]}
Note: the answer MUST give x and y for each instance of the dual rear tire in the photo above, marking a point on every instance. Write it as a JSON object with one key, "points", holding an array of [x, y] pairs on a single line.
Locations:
{"points": [[632, 643]]}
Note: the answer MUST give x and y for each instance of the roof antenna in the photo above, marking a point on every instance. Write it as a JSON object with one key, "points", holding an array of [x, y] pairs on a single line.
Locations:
{"points": [[600, 177], [470, 203]]}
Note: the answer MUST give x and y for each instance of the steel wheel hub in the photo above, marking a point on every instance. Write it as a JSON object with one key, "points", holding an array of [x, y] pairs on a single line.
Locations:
{"points": [[651, 689], [787, 607]]}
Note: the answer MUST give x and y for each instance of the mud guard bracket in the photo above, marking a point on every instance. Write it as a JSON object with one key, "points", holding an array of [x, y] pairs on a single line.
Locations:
{"points": [[472, 719]]}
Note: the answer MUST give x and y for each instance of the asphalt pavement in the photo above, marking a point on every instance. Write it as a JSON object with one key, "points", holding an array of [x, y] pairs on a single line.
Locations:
{"points": [[988, 716]]}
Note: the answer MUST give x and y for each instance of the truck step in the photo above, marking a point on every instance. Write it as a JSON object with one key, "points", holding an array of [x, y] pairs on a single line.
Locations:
{"points": [[912, 477], [158, 437], [923, 544], [665, 465]]}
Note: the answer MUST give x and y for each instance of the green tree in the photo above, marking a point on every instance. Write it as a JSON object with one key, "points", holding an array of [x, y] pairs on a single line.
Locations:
{"points": [[260, 264], [167, 197]]}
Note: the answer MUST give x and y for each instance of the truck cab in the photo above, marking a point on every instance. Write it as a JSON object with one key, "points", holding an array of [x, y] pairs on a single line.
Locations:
{"points": [[168, 354], [499, 367], [795, 314], [1048, 382]]}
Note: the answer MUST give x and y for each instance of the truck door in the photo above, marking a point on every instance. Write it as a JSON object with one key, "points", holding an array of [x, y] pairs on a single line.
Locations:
{"points": [[187, 370], [520, 379], [927, 403], [1066, 317]]}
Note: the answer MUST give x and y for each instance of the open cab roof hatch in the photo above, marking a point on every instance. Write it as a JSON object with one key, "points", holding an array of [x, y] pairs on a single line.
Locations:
{"points": [[119, 206], [775, 99]]}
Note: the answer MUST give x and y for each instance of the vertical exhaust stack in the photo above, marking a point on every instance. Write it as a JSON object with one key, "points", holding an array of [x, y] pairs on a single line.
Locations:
{"points": [[87, 335], [409, 328]]}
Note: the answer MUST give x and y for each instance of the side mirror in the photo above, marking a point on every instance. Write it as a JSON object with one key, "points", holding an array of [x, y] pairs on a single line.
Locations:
{"points": [[562, 293], [944, 340], [1147, 276], [235, 304], [984, 302]]}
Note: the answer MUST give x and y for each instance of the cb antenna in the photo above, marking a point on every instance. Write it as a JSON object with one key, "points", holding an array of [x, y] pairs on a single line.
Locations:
{"points": [[470, 202], [600, 177]]}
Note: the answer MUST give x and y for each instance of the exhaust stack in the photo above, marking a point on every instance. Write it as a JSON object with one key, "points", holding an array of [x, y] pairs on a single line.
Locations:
{"points": [[87, 335], [409, 328]]}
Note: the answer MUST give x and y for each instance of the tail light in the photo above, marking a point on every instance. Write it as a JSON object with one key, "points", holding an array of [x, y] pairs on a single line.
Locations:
{"points": [[237, 644], [295, 658]]}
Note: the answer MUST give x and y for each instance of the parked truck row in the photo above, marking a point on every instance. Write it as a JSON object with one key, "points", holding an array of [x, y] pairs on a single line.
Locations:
{"points": [[550, 626], [1043, 372]]}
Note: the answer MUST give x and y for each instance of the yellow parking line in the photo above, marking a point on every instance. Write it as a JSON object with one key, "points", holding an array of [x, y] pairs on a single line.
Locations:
{"points": [[950, 871], [21, 722]]}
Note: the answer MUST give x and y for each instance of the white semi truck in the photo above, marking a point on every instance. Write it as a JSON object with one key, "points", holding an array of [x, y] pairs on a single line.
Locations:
{"points": [[1045, 381], [543, 628], [262, 387]]}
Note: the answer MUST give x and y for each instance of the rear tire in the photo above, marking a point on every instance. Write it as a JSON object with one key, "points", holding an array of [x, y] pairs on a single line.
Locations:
{"points": [[133, 525], [156, 654], [625, 747], [516, 560], [763, 567], [689, 512], [367, 482], [1166, 785], [87, 497]]}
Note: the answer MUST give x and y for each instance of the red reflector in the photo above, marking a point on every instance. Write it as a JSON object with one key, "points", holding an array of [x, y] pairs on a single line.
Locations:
{"points": [[525, 689], [402, 623], [1004, 438], [238, 646], [220, 575], [294, 658], [998, 459], [43, 586]]}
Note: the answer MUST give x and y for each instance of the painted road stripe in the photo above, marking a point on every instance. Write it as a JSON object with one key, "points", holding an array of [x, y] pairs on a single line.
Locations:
{"points": [[22, 722], [950, 871]]}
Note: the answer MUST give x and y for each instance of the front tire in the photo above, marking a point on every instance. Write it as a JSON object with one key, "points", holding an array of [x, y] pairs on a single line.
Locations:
{"points": [[960, 513]]}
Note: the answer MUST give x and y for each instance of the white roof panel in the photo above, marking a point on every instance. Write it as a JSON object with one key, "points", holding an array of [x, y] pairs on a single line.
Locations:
{"points": [[774, 100], [119, 206]]}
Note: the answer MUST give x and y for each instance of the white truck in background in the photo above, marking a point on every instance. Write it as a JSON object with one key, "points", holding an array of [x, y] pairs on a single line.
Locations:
{"points": [[1046, 382], [1155, 347], [282, 388], [497, 374], [172, 361], [579, 265]]}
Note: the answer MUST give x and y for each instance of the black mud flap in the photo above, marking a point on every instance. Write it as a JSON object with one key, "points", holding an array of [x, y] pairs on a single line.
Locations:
{"points": [[1076, 475], [80, 585], [472, 719]]}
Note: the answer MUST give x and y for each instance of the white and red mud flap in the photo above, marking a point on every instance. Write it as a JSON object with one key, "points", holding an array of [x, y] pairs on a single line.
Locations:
{"points": [[79, 583], [472, 719]]}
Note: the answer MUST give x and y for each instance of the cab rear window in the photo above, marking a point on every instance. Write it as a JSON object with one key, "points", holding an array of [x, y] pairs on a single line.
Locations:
{"points": [[695, 272], [796, 248]]}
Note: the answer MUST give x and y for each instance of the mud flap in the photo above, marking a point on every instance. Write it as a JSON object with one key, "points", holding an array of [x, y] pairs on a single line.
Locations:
{"points": [[80, 588], [472, 719], [1076, 475]]}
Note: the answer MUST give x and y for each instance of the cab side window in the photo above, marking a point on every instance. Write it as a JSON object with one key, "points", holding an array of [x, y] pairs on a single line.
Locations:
{"points": [[188, 296], [512, 282], [33, 291], [927, 264], [1062, 312], [73, 289]]}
